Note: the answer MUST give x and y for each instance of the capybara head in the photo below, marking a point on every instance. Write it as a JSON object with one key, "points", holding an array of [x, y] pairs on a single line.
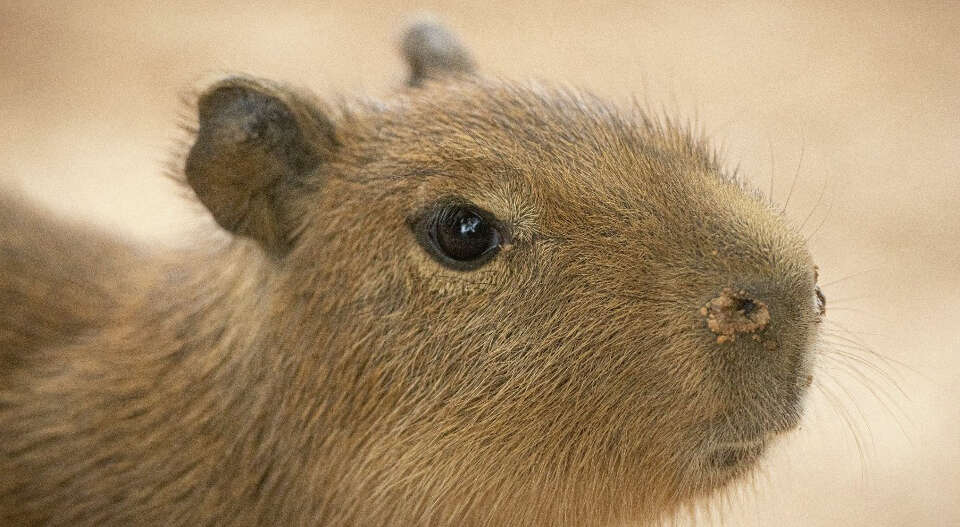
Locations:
{"points": [[507, 302]]}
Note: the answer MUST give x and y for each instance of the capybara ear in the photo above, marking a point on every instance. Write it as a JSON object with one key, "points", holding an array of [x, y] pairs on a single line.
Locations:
{"points": [[255, 144], [432, 51]]}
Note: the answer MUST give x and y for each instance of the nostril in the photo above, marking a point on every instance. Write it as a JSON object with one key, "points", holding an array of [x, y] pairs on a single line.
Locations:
{"points": [[733, 313], [821, 302], [746, 306]]}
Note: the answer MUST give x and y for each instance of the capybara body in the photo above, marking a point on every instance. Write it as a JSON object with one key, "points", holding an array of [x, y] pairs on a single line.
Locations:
{"points": [[473, 303]]}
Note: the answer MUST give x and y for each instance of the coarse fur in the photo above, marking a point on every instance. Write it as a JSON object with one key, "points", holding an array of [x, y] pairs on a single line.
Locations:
{"points": [[322, 368]]}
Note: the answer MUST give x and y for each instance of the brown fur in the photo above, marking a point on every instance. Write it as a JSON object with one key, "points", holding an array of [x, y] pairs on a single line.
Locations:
{"points": [[323, 369]]}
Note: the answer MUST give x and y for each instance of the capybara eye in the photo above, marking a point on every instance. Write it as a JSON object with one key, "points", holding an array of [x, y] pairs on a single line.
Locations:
{"points": [[461, 237]]}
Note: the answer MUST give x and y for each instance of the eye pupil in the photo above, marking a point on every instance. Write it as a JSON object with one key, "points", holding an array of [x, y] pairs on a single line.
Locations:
{"points": [[464, 235], [469, 225]]}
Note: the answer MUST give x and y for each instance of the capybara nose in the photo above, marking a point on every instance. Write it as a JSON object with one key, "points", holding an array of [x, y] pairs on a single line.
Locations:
{"points": [[735, 313]]}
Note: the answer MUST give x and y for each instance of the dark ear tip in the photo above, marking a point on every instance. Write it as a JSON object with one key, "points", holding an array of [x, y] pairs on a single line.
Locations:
{"points": [[429, 49], [239, 109], [213, 101], [427, 34], [225, 94]]}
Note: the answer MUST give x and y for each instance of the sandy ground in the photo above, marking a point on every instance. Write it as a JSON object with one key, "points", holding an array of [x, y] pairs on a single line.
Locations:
{"points": [[857, 104]]}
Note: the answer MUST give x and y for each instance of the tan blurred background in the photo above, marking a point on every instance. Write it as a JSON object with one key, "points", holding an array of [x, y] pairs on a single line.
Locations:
{"points": [[859, 104]]}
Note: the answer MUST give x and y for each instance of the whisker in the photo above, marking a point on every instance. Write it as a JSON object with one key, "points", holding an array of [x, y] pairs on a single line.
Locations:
{"points": [[830, 331], [859, 411], [849, 276], [796, 176], [844, 416], [875, 388], [863, 312], [849, 344], [823, 190], [835, 301], [887, 359], [822, 221], [873, 367], [772, 171], [854, 342]]}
